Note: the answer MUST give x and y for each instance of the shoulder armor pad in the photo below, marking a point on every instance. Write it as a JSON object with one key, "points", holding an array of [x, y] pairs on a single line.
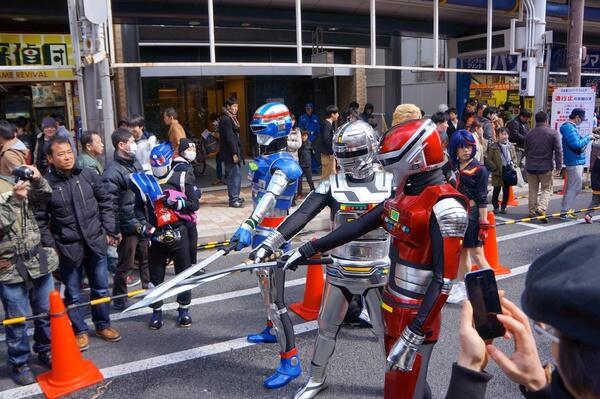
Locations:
{"points": [[323, 187], [452, 217], [288, 166]]}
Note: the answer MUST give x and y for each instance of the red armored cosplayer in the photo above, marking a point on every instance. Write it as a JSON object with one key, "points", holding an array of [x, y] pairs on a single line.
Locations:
{"points": [[427, 220]]}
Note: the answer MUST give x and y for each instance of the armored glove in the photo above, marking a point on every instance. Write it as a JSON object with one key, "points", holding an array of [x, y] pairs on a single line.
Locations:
{"points": [[404, 352], [305, 251], [483, 230], [243, 235], [273, 242]]}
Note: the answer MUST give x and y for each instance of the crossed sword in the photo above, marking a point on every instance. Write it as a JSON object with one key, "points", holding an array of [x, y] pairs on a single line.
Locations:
{"points": [[187, 279]]}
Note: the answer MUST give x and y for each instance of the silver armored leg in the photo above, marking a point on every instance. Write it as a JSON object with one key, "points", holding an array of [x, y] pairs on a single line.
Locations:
{"points": [[334, 308], [373, 302]]}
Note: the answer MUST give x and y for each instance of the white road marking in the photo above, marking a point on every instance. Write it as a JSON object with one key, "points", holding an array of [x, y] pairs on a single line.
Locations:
{"points": [[534, 226], [545, 229], [160, 361], [175, 305]]}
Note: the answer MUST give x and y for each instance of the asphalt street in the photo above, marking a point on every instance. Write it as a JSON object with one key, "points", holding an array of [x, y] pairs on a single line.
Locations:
{"points": [[213, 360]]}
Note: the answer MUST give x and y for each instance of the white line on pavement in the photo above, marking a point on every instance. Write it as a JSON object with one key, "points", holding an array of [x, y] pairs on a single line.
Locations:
{"points": [[175, 305], [189, 354], [545, 229], [160, 361], [535, 226]]}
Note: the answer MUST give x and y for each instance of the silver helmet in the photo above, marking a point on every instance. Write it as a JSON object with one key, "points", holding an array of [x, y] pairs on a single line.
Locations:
{"points": [[354, 147]]}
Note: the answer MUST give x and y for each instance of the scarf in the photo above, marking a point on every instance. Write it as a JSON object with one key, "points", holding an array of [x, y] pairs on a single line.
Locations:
{"points": [[506, 158], [232, 116]]}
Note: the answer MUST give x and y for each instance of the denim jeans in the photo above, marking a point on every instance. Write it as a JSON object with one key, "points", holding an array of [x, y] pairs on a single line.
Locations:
{"points": [[234, 181], [16, 301], [96, 270]]}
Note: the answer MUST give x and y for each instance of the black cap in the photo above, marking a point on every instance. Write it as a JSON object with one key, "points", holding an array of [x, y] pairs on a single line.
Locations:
{"points": [[562, 289], [184, 144], [580, 112]]}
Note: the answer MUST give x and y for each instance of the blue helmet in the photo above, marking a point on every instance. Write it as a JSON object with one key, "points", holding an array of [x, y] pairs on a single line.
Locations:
{"points": [[161, 157], [270, 122]]}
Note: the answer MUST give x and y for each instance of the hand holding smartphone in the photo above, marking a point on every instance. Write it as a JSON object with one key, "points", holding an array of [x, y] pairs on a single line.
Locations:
{"points": [[482, 291]]}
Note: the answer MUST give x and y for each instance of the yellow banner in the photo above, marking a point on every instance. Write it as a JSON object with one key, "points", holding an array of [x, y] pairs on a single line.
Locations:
{"points": [[35, 49]]}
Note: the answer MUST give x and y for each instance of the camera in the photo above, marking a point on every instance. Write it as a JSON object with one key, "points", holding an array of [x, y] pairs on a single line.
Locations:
{"points": [[22, 173]]}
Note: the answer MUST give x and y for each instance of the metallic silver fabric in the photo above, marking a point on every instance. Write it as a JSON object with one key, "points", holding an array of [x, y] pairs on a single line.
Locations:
{"points": [[452, 217], [412, 279]]}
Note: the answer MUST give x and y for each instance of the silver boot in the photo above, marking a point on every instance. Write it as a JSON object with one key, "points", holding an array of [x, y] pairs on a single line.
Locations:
{"points": [[314, 385]]}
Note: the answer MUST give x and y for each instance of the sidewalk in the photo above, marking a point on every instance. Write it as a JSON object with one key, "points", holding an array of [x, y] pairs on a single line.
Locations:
{"points": [[217, 221]]}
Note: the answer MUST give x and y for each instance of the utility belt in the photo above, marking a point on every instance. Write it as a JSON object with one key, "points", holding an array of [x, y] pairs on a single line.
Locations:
{"points": [[19, 260], [168, 236]]}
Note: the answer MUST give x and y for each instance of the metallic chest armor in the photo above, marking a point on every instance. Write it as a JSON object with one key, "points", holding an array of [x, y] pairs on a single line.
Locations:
{"points": [[368, 254], [261, 172]]}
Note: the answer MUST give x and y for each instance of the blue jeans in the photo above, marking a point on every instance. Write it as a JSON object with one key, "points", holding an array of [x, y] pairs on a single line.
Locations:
{"points": [[96, 270], [16, 300], [234, 181]]}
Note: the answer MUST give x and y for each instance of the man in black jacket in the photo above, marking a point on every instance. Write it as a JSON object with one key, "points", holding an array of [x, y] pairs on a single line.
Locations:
{"points": [[454, 123], [230, 151], [79, 222], [132, 245], [324, 145], [517, 129]]}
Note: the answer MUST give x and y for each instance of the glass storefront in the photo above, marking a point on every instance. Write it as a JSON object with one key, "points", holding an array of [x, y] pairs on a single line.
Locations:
{"points": [[196, 98]]}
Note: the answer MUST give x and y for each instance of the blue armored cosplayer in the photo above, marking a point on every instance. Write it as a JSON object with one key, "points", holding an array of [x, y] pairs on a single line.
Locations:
{"points": [[274, 175]]}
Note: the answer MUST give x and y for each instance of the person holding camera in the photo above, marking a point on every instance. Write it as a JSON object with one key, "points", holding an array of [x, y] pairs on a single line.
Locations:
{"points": [[574, 147], [12, 150], [502, 159], [79, 222], [26, 268], [561, 298]]}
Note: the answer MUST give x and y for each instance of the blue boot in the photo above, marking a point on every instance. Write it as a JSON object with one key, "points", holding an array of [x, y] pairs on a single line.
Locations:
{"points": [[288, 369], [263, 337]]}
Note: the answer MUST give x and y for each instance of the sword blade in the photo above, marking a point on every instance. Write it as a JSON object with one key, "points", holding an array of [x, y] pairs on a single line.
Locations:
{"points": [[162, 288], [195, 281]]}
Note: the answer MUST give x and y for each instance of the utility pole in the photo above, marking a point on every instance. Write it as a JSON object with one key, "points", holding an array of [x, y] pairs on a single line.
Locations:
{"points": [[575, 42]]}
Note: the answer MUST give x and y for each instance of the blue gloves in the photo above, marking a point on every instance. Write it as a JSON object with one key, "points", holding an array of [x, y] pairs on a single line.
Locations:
{"points": [[243, 237]]}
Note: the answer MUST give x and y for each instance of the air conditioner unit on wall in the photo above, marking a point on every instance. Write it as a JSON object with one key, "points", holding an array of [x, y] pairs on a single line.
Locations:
{"points": [[326, 57]]}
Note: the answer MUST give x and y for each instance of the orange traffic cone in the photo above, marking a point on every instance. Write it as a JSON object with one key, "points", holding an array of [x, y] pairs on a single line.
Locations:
{"points": [[308, 309], [490, 248], [564, 187], [511, 197], [70, 372]]}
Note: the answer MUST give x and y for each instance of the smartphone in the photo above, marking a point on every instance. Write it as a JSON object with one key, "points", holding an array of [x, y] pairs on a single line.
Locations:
{"points": [[483, 295]]}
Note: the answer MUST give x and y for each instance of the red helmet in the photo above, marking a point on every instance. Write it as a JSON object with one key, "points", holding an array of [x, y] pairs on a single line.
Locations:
{"points": [[411, 147]]}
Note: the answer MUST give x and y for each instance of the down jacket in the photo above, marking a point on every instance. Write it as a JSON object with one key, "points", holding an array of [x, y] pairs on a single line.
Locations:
{"points": [[79, 213]]}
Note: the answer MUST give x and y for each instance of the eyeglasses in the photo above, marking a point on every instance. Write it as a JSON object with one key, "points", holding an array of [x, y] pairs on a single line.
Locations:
{"points": [[547, 331]]}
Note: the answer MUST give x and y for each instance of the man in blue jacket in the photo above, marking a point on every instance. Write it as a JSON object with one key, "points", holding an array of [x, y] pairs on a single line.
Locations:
{"points": [[310, 122], [574, 147]]}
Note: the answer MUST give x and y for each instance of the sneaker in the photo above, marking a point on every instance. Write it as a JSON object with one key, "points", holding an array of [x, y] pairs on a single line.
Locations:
{"points": [[568, 216], [503, 211], [109, 334], [84, 286], [496, 211], [45, 359], [588, 218], [236, 204], [184, 320], [22, 374], [457, 294], [132, 280], [242, 200], [156, 321], [83, 341], [544, 219]]}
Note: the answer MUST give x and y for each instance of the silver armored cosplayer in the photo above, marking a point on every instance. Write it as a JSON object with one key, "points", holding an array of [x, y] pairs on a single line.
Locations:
{"points": [[360, 267]]}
